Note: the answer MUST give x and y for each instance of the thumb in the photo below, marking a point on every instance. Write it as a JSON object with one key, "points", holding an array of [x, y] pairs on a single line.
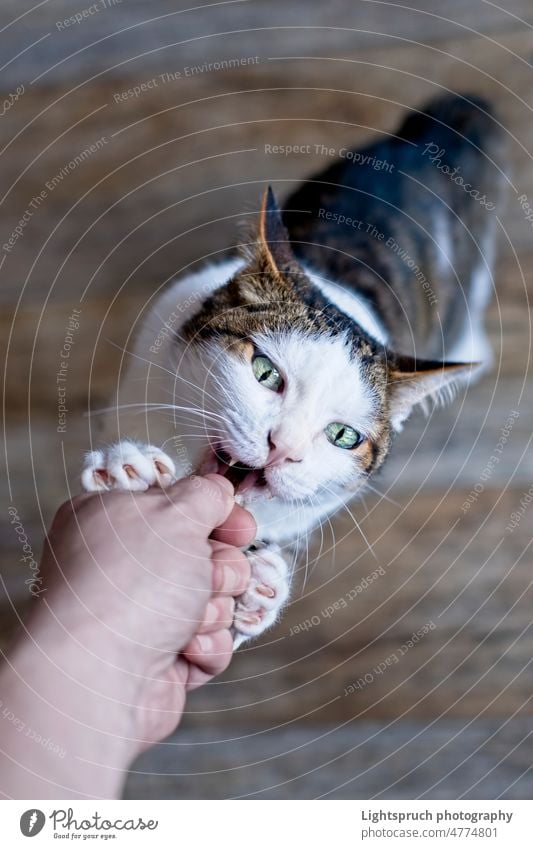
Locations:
{"points": [[206, 502]]}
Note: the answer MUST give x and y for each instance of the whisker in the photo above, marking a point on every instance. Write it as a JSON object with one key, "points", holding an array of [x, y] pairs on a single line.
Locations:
{"points": [[382, 495], [203, 391], [356, 523], [152, 407], [138, 357]]}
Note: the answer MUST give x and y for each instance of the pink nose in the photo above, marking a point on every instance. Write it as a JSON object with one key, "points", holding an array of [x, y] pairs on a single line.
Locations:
{"points": [[281, 451]]}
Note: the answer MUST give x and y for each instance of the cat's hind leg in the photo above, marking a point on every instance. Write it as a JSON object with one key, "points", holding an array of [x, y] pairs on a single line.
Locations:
{"points": [[259, 607], [127, 465]]}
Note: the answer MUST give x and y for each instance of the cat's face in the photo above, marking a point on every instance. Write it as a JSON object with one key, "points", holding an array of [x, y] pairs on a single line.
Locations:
{"points": [[296, 413], [299, 402]]}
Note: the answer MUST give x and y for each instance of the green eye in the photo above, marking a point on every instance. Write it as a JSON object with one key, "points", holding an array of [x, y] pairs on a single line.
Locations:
{"points": [[343, 436], [266, 373]]}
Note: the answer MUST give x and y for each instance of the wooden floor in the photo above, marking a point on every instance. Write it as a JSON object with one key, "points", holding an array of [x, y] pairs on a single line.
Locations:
{"points": [[325, 710]]}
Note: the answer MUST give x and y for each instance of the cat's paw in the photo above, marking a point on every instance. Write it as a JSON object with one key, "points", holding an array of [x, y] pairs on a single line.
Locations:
{"points": [[127, 465], [258, 608]]}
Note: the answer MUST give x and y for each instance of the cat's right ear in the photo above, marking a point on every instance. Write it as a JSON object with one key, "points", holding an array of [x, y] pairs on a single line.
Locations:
{"points": [[273, 240], [413, 382]]}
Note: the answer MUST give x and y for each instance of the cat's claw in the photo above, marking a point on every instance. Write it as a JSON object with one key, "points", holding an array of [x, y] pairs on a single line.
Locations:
{"points": [[258, 608], [127, 465]]}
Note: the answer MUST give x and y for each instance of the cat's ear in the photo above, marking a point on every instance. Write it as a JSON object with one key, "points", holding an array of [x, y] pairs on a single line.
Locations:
{"points": [[412, 382], [274, 242]]}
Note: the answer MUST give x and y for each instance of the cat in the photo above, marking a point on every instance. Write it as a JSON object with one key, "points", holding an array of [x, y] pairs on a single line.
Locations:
{"points": [[290, 366]]}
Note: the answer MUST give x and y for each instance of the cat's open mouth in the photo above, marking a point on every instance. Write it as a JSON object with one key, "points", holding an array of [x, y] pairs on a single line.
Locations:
{"points": [[241, 476], [244, 478]]}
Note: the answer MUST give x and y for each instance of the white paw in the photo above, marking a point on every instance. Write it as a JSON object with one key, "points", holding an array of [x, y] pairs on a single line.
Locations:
{"points": [[258, 608], [127, 465]]}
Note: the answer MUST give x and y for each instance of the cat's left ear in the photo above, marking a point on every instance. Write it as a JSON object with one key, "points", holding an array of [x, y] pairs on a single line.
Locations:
{"points": [[274, 241], [412, 382]]}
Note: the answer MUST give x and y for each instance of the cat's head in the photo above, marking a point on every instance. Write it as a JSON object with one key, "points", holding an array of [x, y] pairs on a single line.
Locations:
{"points": [[297, 396]]}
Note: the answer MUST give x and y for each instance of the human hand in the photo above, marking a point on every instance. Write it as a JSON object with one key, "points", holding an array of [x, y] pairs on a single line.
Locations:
{"points": [[137, 610]]}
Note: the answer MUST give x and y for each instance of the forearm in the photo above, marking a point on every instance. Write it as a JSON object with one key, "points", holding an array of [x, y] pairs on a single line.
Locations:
{"points": [[63, 733]]}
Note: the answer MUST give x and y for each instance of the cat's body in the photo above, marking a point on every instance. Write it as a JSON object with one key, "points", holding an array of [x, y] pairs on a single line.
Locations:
{"points": [[415, 216], [296, 358]]}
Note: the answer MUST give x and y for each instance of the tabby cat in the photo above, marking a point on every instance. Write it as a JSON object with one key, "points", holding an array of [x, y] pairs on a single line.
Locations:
{"points": [[290, 366]]}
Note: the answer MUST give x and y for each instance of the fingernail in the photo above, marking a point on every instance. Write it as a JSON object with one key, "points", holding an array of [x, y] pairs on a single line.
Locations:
{"points": [[211, 613], [225, 578], [235, 581], [205, 642]]}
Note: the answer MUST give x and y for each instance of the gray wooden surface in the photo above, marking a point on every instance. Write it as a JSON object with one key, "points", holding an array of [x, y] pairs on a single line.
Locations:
{"points": [[179, 166], [459, 759]]}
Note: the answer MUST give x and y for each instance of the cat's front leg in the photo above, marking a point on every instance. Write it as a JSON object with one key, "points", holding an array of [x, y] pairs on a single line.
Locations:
{"points": [[259, 607], [127, 465]]}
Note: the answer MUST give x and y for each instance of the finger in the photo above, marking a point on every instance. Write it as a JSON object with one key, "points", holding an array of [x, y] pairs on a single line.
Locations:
{"points": [[205, 502], [231, 570], [209, 655], [218, 615], [239, 528]]}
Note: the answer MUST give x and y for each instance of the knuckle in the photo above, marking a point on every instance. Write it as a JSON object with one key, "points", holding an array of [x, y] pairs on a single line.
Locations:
{"points": [[66, 511]]}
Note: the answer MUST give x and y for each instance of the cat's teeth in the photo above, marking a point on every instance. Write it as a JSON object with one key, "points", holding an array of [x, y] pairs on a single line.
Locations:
{"points": [[232, 462]]}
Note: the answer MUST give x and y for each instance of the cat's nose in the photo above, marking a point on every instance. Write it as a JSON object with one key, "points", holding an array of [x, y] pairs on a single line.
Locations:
{"points": [[282, 450]]}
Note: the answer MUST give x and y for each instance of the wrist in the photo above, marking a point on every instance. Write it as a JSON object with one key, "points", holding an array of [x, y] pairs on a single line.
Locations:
{"points": [[66, 727]]}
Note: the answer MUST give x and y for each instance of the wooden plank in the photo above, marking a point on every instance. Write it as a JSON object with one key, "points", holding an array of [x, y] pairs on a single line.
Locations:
{"points": [[33, 339], [152, 199], [219, 31], [448, 759]]}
